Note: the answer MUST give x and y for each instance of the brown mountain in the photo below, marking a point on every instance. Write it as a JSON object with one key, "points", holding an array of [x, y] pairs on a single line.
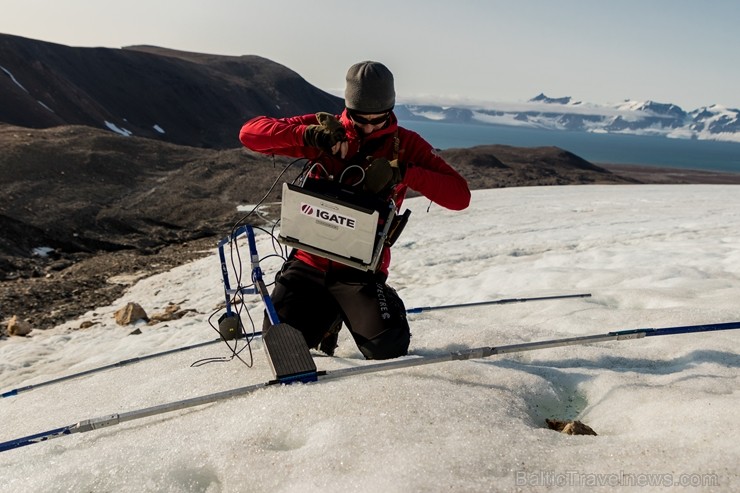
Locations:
{"points": [[185, 98], [497, 166], [87, 189]]}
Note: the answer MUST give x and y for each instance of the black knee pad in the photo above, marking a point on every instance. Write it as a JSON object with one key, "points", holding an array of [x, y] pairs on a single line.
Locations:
{"points": [[394, 341], [391, 343]]}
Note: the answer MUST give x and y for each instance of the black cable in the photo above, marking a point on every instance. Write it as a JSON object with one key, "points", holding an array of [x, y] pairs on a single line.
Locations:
{"points": [[234, 352], [236, 265]]}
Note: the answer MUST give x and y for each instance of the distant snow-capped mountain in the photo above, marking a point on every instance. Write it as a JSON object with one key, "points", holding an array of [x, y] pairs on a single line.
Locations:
{"points": [[628, 117]]}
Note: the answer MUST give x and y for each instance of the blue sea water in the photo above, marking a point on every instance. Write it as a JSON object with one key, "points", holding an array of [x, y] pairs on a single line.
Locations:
{"points": [[596, 148]]}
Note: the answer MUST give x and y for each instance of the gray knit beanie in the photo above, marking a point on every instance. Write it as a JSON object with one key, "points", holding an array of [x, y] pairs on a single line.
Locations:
{"points": [[369, 88]]}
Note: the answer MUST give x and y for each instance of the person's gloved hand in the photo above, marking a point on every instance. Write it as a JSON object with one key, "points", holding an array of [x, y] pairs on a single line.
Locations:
{"points": [[326, 135], [381, 175]]}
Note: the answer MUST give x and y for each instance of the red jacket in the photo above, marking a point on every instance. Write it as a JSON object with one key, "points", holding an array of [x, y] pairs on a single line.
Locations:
{"points": [[426, 172]]}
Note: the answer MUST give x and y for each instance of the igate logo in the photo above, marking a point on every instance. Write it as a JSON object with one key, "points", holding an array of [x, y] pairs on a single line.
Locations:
{"points": [[328, 216]]}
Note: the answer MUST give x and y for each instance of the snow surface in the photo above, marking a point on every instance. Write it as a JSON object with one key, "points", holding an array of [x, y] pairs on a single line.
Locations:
{"points": [[664, 408]]}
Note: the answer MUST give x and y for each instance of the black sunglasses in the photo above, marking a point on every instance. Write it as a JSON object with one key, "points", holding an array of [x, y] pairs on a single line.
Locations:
{"points": [[368, 121]]}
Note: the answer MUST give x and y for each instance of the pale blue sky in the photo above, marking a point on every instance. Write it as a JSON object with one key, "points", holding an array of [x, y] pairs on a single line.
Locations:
{"points": [[680, 51]]}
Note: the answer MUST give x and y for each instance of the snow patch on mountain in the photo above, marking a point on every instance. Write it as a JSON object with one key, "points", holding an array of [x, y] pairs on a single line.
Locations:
{"points": [[118, 130], [12, 77]]}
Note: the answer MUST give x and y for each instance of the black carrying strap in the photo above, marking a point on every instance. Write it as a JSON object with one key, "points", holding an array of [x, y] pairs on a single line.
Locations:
{"points": [[397, 226], [399, 222]]}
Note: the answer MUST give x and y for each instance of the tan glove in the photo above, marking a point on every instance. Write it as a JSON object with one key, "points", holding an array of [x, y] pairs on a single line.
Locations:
{"points": [[381, 175], [326, 134]]}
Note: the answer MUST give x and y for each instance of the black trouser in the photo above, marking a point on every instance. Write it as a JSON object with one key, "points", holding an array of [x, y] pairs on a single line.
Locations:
{"points": [[313, 302]]}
